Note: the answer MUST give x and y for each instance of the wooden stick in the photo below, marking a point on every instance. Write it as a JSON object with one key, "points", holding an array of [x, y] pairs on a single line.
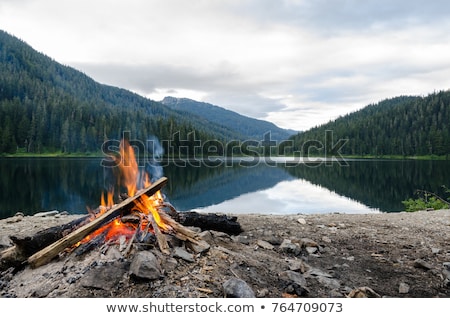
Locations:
{"points": [[162, 242], [47, 254], [180, 231]]}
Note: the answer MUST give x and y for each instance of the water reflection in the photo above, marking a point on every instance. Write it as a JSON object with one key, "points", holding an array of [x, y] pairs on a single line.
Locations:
{"points": [[32, 185], [287, 197]]}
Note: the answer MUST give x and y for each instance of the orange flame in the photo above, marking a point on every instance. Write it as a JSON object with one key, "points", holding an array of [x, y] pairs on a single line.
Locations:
{"points": [[128, 177], [128, 167]]}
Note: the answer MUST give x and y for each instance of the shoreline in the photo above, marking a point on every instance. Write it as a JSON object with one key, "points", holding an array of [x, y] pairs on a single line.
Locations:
{"points": [[402, 254]]}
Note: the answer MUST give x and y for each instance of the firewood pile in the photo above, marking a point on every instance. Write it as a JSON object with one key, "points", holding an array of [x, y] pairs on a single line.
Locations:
{"points": [[143, 221]]}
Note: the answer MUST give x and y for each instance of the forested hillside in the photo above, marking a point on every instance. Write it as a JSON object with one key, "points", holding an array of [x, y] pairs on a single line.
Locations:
{"points": [[246, 126], [406, 126], [49, 107]]}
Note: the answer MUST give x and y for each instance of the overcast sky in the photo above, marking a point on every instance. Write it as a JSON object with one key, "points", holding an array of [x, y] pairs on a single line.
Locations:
{"points": [[297, 63]]}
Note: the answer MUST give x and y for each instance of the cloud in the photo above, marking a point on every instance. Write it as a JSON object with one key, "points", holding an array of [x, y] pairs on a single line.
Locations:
{"points": [[298, 63]]}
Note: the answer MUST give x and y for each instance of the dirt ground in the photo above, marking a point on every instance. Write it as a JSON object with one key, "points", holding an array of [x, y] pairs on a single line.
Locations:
{"points": [[321, 255]]}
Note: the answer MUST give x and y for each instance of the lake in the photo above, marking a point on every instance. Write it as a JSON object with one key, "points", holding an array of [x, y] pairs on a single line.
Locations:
{"points": [[31, 185]]}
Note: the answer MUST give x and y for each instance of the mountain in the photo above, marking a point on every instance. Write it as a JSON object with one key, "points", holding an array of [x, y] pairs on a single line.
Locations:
{"points": [[247, 127], [49, 107], [404, 125]]}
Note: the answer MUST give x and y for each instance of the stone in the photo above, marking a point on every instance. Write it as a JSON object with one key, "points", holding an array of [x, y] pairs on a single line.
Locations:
{"points": [[306, 242], [198, 247], [311, 250], [46, 214], [288, 247], [403, 288], [206, 236], [435, 250], [317, 272], [363, 292], [237, 288], [180, 252], [14, 219], [446, 274], [298, 265], [243, 239], [265, 245], [302, 221], [145, 265], [420, 263], [329, 283], [104, 277], [295, 283], [5, 241]]}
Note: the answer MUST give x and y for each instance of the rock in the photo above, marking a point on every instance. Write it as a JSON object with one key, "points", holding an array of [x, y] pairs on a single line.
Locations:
{"points": [[5, 241], [198, 247], [145, 265], [45, 214], [180, 252], [446, 273], [323, 278], [306, 242], [403, 288], [435, 250], [311, 250], [265, 245], [104, 277], [298, 265], [206, 236], [329, 283], [363, 292], [237, 288], [15, 219], [420, 263], [317, 272], [243, 239], [326, 239], [288, 247], [170, 264], [274, 240], [221, 235], [295, 283], [301, 221], [262, 293]]}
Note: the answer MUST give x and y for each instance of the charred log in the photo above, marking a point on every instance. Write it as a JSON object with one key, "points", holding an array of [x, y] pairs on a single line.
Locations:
{"points": [[211, 221], [25, 246]]}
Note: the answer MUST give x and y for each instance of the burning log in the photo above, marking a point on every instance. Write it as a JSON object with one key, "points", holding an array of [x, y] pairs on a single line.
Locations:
{"points": [[48, 253]]}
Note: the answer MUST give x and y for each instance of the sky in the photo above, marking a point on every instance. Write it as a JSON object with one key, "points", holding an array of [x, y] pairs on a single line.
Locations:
{"points": [[296, 63]]}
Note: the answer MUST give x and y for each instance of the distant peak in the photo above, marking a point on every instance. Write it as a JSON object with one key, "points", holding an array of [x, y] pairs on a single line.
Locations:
{"points": [[169, 100]]}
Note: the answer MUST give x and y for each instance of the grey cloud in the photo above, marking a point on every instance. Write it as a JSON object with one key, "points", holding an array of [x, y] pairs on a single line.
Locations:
{"points": [[223, 86], [146, 78], [330, 17], [245, 103]]}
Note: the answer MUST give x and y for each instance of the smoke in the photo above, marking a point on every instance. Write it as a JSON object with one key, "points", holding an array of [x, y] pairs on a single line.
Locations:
{"points": [[155, 153]]}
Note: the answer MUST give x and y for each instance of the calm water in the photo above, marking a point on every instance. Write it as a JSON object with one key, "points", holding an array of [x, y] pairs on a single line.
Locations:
{"points": [[363, 186]]}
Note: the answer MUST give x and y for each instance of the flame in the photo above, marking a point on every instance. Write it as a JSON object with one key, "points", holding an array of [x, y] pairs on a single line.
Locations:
{"points": [[109, 199], [128, 167], [147, 205]]}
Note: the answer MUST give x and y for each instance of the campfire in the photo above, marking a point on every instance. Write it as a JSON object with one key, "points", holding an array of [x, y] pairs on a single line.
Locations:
{"points": [[140, 216]]}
